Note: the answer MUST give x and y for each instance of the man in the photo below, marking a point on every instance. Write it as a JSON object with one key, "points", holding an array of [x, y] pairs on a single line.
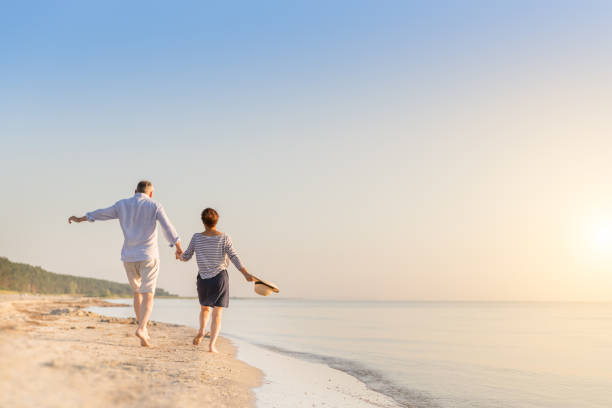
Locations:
{"points": [[138, 217]]}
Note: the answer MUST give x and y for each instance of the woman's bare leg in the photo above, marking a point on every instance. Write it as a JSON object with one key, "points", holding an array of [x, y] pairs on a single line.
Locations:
{"points": [[215, 326], [204, 313]]}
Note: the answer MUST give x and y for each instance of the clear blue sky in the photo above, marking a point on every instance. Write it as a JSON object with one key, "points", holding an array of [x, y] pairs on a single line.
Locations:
{"points": [[354, 149]]}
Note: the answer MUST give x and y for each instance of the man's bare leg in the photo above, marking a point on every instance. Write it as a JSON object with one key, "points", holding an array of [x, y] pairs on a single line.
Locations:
{"points": [[137, 301], [215, 326], [145, 312], [204, 313]]}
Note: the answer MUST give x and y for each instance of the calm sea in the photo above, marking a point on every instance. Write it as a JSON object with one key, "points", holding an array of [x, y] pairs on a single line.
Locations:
{"points": [[435, 354]]}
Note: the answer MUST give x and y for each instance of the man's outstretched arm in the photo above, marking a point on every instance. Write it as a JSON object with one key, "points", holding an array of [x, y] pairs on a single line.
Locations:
{"points": [[102, 214]]}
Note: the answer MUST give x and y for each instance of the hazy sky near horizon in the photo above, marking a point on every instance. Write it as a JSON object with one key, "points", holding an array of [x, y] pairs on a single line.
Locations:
{"points": [[354, 149]]}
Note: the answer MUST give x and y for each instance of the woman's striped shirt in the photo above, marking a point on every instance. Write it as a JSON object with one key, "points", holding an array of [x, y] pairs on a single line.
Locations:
{"points": [[213, 254]]}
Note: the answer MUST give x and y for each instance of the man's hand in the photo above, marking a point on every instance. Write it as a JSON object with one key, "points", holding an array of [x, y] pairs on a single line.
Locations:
{"points": [[179, 250], [178, 254], [76, 219]]}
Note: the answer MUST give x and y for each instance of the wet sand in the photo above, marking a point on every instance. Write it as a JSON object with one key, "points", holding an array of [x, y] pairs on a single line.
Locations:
{"points": [[55, 354]]}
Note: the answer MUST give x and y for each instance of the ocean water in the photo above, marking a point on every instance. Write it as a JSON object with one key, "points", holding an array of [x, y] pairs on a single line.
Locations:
{"points": [[424, 354]]}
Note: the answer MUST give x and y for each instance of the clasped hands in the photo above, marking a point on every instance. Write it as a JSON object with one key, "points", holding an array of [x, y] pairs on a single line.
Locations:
{"points": [[178, 253]]}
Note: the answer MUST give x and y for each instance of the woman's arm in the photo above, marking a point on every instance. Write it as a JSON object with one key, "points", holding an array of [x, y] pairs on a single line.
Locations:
{"points": [[185, 256], [246, 274], [233, 256]]}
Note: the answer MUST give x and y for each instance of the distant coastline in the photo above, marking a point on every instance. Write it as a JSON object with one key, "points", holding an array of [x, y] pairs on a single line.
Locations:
{"points": [[23, 278]]}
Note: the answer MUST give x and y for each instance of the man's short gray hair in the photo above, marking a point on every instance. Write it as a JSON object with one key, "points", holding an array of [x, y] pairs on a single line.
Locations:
{"points": [[144, 186]]}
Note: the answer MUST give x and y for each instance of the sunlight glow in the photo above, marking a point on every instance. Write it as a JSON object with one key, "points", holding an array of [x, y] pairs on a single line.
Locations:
{"points": [[600, 237]]}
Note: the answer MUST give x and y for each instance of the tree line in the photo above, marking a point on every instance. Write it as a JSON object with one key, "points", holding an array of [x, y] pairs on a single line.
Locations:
{"points": [[26, 278]]}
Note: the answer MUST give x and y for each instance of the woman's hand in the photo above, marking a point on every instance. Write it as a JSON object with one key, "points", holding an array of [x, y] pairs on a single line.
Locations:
{"points": [[178, 254], [247, 275]]}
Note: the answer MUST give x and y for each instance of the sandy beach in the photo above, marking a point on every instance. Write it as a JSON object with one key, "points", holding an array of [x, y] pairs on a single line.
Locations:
{"points": [[56, 354]]}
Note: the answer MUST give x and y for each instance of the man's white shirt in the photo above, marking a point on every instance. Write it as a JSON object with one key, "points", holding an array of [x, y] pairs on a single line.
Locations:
{"points": [[138, 217]]}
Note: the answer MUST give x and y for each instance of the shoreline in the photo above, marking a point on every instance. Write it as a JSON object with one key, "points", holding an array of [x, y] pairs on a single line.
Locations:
{"points": [[56, 354], [289, 381]]}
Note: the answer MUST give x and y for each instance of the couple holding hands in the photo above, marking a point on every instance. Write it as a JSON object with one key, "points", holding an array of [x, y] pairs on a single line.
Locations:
{"points": [[138, 217]]}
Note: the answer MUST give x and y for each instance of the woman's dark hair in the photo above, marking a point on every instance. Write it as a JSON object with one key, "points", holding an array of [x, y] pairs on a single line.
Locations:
{"points": [[210, 217]]}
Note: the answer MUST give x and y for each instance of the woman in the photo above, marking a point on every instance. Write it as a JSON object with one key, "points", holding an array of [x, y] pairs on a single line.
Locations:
{"points": [[213, 250]]}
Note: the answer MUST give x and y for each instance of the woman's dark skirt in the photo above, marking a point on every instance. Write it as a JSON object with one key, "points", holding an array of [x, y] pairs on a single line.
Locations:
{"points": [[214, 291]]}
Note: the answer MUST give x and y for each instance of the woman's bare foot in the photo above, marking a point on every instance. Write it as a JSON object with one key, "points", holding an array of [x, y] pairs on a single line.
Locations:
{"points": [[213, 349], [146, 334], [142, 335], [198, 339]]}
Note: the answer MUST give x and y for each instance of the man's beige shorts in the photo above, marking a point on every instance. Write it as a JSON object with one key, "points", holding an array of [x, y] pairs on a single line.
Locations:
{"points": [[142, 275]]}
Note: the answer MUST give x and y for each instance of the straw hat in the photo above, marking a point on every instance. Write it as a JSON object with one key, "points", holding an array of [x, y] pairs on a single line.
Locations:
{"points": [[264, 288]]}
